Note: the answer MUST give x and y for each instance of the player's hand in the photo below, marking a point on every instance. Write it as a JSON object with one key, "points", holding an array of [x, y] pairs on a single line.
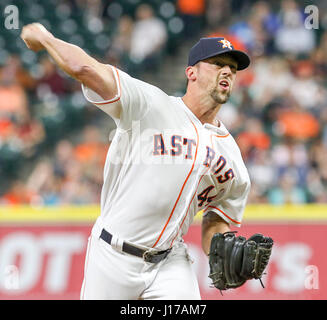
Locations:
{"points": [[33, 35]]}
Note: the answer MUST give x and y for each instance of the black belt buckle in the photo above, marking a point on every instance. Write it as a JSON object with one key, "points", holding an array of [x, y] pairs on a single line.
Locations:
{"points": [[155, 257]]}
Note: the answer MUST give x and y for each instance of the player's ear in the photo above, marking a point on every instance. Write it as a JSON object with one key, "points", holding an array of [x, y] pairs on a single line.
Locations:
{"points": [[191, 73]]}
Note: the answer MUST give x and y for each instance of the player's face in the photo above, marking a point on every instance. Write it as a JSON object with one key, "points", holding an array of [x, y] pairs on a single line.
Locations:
{"points": [[217, 75]]}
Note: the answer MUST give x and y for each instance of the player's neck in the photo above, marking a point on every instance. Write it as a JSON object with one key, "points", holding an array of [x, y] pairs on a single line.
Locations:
{"points": [[203, 109]]}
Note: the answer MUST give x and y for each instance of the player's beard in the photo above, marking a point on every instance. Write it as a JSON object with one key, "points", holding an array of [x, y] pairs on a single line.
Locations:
{"points": [[218, 96]]}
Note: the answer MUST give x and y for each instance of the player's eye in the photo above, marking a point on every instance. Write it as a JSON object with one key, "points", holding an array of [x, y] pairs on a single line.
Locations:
{"points": [[221, 65], [233, 69]]}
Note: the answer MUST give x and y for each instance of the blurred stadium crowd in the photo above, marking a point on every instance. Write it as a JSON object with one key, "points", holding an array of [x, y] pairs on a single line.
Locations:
{"points": [[53, 143]]}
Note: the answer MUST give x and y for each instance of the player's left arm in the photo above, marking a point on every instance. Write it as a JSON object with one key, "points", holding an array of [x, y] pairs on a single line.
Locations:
{"points": [[212, 223]]}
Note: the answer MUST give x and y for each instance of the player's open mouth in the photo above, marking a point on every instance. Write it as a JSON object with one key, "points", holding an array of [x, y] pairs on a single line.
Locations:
{"points": [[224, 84]]}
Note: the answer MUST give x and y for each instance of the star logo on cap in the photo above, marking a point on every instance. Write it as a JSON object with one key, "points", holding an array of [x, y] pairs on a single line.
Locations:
{"points": [[226, 44]]}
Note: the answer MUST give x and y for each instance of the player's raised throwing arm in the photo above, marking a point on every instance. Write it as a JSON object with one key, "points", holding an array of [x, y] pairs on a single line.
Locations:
{"points": [[74, 61]]}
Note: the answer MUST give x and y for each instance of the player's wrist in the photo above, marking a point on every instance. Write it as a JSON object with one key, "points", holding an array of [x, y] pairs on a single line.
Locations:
{"points": [[46, 39]]}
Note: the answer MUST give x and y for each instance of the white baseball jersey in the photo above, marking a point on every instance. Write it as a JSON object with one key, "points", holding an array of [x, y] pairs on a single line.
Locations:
{"points": [[163, 166]]}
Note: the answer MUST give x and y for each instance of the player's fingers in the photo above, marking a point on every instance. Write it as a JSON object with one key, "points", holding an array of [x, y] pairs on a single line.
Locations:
{"points": [[30, 45], [27, 44], [24, 34], [25, 31], [39, 27]]}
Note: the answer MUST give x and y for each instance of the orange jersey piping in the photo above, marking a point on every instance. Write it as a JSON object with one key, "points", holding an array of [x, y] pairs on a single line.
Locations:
{"points": [[188, 208], [115, 100], [237, 222], [181, 191]]}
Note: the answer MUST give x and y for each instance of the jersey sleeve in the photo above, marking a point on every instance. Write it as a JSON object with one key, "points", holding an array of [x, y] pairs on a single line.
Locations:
{"points": [[231, 206], [130, 99]]}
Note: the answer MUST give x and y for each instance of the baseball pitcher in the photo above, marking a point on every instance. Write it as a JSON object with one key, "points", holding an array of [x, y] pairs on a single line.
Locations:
{"points": [[170, 158]]}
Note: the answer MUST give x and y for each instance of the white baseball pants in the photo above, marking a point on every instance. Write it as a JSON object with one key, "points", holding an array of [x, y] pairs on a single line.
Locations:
{"points": [[110, 274]]}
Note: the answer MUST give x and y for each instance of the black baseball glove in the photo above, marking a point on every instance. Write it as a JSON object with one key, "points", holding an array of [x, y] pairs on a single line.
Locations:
{"points": [[234, 260]]}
